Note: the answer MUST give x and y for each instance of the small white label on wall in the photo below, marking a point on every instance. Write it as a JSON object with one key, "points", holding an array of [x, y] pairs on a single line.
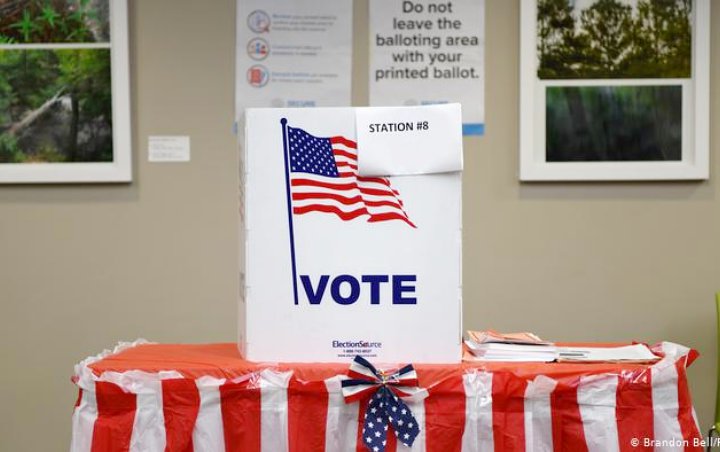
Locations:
{"points": [[169, 149]]}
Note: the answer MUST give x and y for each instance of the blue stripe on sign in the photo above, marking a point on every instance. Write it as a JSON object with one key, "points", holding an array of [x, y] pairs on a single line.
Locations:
{"points": [[474, 129]]}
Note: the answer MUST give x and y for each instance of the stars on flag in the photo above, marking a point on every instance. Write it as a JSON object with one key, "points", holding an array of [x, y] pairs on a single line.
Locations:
{"points": [[388, 410]]}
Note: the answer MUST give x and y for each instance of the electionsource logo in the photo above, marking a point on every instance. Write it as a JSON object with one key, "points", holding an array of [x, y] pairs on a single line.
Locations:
{"points": [[357, 344]]}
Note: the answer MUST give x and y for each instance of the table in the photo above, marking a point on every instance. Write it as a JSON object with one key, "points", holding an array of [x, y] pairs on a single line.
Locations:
{"points": [[206, 398]]}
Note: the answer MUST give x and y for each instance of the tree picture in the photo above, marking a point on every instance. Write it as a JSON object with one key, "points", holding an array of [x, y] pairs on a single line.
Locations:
{"points": [[54, 21], [55, 106], [613, 39], [55, 101], [64, 91], [584, 39], [613, 123], [614, 90]]}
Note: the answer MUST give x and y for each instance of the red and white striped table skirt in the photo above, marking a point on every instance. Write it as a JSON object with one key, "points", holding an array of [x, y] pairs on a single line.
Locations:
{"points": [[146, 398]]}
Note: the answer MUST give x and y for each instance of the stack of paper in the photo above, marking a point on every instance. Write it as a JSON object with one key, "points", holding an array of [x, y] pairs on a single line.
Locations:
{"points": [[490, 336], [638, 353], [517, 347], [527, 347], [512, 352]]}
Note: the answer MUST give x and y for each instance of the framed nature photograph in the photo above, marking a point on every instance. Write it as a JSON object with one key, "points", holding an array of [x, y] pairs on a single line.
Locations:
{"points": [[64, 91], [614, 90]]}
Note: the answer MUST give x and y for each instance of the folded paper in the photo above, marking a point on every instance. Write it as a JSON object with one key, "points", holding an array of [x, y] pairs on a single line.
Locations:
{"points": [[404, 141]]}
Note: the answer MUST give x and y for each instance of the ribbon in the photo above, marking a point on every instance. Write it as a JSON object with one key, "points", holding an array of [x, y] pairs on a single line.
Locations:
{"points": [[385, 391]]}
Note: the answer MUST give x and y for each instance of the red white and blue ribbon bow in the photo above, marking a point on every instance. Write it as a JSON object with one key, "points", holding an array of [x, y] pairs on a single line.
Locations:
{"points": [[385, 391]]}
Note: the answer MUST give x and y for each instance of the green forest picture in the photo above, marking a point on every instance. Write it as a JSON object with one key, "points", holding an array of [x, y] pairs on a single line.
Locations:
{"points": [[597, 39], [54, 21], [613, 123], [55, 106]]}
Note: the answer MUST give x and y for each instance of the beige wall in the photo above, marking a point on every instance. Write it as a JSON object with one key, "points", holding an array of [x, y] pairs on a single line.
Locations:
{"points": [[82, 267]]}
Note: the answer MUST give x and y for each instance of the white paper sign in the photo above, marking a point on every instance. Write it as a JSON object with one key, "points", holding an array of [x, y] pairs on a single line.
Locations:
{"points": [[400, 141], [336, 265], [293, 53], [169, 149], [429, 52]]}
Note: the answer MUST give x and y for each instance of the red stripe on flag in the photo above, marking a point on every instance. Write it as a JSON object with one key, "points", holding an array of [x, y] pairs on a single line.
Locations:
{"points": [[301, 182], [344, 141], [307, 415], [343, 199], [116, 415], [360, 180], [347, 155], [688, 427], [348, 201], [567, 425], [346, 165], [383, 204], [375, 191], [508, 406], [390, 216], [181, 403], [375, 180], [331, 209], [634, 409], [386, 191], [241, 408], [445, 415]]}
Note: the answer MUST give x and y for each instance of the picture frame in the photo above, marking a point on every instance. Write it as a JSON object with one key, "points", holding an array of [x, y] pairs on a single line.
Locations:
{"points": [[593, 113], [69, 121]]}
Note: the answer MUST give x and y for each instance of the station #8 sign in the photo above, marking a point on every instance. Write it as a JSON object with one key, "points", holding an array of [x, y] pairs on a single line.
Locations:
{"points": [[351, 234]]}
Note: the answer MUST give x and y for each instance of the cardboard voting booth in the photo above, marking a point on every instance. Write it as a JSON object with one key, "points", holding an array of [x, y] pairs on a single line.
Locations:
{"points": [[351, 235]]}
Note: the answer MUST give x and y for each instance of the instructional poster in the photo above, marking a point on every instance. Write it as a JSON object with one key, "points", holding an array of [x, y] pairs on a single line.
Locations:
{"points": [[293, 53], [429, 52]]}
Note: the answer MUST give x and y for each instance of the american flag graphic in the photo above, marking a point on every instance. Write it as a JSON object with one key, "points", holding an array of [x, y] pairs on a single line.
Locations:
{"points": [[323, 178]]}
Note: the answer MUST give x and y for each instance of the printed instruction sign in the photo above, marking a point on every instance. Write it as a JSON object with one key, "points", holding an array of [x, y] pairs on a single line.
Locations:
{"points": [[293, 53], [429, 52]]}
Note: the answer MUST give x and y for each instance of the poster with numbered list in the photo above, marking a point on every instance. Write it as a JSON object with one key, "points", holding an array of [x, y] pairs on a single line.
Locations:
{"points": [[292, 54]]}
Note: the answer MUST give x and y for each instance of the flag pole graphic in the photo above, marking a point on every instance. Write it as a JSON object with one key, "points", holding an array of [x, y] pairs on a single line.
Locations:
{"points": [[283, 123]]}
